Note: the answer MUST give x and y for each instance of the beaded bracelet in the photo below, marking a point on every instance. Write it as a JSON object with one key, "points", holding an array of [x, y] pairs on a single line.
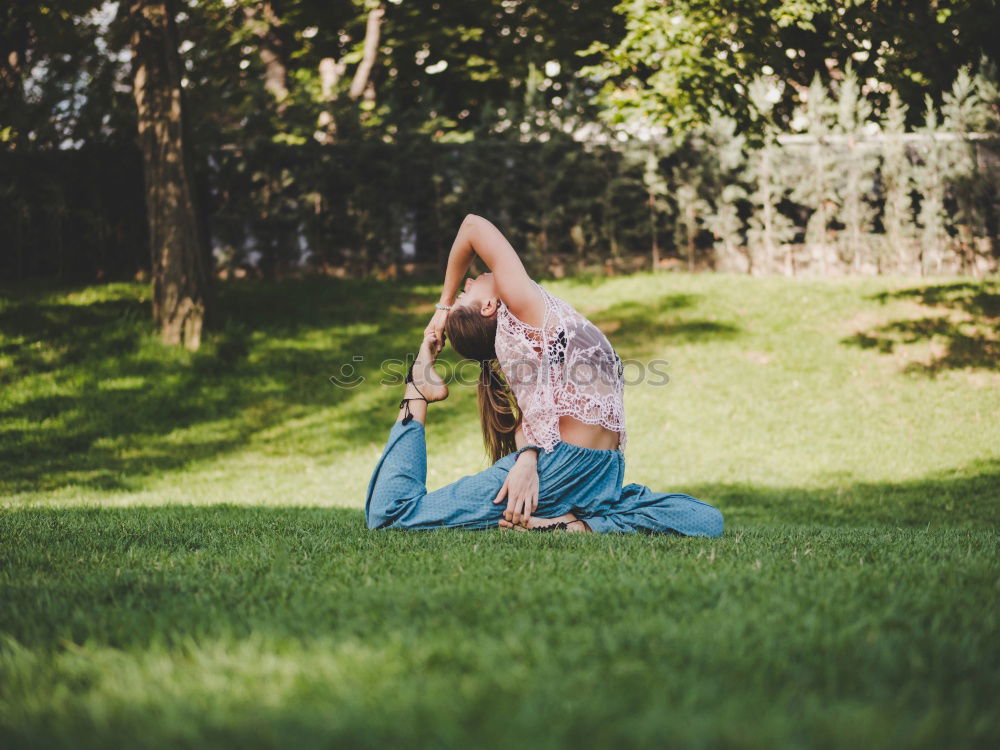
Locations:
{"points": [[536, 448]]}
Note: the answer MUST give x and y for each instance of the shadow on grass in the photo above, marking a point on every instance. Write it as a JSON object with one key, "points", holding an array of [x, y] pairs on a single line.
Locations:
{"points": [[968, 496], [635, 327], [94, 401], [122, 400], [966, 334]]}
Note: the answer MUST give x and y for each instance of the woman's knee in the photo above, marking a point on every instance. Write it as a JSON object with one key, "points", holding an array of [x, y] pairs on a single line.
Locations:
{"points": [[712, 520], [704, 519]]}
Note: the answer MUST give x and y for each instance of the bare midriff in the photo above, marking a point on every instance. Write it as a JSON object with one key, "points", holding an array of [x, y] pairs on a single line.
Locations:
{"points": [[572, 430]]}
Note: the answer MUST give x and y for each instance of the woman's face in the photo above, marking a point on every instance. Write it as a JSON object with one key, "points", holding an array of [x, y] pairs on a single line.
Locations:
{"points": [[480, 294]]}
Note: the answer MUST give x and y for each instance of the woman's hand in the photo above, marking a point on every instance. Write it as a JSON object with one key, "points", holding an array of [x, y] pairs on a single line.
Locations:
{"points": [[431, 345], [436, 327], [521, 489]]}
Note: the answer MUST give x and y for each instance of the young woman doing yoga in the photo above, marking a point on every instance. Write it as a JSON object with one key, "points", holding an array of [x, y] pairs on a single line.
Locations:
{"points": [[551, 407]]}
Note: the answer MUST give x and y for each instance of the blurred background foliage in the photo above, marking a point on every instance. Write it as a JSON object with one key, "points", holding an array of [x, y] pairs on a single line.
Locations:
{"points": [[350, 137]]}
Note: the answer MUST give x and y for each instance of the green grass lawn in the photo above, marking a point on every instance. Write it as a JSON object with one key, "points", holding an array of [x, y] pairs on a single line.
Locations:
{"points": [[184, 561]]}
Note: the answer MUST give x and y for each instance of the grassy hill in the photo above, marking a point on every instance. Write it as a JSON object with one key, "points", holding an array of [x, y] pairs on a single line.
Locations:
{"points": [[183, 559]]}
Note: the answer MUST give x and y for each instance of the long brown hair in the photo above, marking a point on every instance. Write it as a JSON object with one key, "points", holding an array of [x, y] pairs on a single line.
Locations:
{"points": [[474, 336]]}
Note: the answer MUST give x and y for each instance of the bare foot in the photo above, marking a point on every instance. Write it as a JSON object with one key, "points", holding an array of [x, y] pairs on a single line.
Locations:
{"points": [[425, 377], [573, 524]]}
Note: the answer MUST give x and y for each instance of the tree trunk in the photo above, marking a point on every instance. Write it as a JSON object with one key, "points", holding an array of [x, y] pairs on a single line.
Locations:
{"points": [[655, 248], [690, 232], [263, 20], [330, 72], [767, 201], [180, 278], [373, 30]]}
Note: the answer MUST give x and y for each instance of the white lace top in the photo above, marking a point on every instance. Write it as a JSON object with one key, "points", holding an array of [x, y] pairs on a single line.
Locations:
{"points": [[580, 375]]}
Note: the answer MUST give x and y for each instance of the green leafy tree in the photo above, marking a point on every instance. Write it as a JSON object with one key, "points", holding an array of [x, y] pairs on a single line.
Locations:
{"points": [[930, 179], [725, 172], [814, 178], [768, 228], [679, 59], [648, 156], [896, 176], [965, 114], [856, 166], [63, 82]]}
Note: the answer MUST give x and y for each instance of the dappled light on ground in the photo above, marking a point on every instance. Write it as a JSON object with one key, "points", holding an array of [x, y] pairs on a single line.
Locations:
{"points": [[961, 331]]}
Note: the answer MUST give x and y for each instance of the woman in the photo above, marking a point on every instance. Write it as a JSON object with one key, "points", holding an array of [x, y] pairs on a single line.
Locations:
{"points": [[551, 408]]}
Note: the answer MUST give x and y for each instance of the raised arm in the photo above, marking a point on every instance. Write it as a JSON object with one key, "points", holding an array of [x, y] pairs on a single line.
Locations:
{"points": [[514, 286]]}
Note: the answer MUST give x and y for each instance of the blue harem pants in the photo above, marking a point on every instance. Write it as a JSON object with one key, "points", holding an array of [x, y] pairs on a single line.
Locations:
{"points": [[572, 479]]}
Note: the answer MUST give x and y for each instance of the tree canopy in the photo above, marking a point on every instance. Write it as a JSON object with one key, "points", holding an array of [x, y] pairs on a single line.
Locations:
{"points": [[340, 70], [680, 60]]}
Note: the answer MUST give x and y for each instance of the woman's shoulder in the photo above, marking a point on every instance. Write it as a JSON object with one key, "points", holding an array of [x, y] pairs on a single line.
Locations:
{"points": [[556, 308], [507, 316]]}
